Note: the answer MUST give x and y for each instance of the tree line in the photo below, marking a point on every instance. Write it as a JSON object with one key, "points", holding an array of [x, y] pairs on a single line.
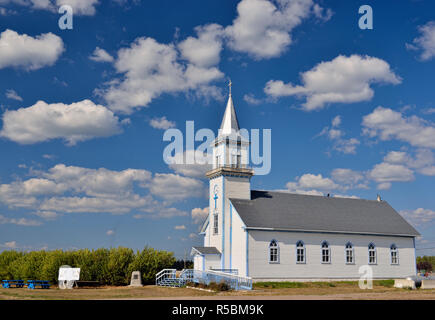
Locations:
{"points": [[107, 266], [425, 263]]}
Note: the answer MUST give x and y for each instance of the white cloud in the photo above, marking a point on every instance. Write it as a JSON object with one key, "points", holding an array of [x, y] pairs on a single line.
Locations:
{"points": [[11, 94], [47, 215], [349, 178], [322, 13], [312, 184], [162, 123], [423, 161], [76, 122], [388, 124], [193, 235], [101, 55], [250, 98], [200, 163], [29, 53], [347, 146], [80, 7], [149, 69], [97, 182], [172, 187], [203, 51], [181, 227], [9, 245], [419, 216], [20, 221], [262, 28], [341, 180], [162, 212], [426, 41], [400, 166], [429, 111], [342, 80], [399, 157], [110, 232], [384, 173], [316, 181], [199, 214], [70, 189]]}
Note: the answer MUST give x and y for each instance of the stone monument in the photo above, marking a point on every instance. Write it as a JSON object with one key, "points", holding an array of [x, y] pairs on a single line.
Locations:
{"points": [[136, 279]]}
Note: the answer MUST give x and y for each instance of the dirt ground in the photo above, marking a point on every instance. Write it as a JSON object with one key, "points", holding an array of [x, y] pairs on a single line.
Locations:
{"points": [[343, 291]]}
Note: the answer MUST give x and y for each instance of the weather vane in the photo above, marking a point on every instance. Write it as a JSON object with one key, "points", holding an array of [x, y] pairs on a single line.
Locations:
{"points": [[230, 85]]}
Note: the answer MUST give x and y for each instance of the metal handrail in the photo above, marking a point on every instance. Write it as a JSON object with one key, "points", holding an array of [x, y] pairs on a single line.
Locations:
{"points": [[233, 281], [165, 273]]}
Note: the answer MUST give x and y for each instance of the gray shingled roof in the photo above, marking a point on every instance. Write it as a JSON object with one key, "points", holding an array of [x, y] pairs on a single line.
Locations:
{"points": [[207, 250], [287, 211]]}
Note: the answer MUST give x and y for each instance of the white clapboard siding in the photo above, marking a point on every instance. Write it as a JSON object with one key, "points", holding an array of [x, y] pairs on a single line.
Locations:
{"points": [[287, 268]]}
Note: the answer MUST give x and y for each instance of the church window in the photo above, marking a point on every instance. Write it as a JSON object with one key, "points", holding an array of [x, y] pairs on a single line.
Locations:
{"points": [[215, 223], [273, 252], [372, 253], [218, 161], [300, 252], [394, 252], [326, 252], [350, 259]]}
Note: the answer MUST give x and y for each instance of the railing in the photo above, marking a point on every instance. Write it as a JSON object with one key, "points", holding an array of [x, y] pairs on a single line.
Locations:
{"points": [[168, 277], [165, 274], [235, 282]]}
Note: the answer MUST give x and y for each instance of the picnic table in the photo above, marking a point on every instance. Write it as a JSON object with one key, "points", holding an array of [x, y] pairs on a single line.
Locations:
{"points": [[12, 283], [33, 284]]}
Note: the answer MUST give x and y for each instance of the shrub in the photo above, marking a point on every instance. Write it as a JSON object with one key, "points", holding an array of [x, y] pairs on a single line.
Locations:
{"points": [[107, 266], [6, 259], [118, 264], [223, 287], [424, 265], [149, 262]]}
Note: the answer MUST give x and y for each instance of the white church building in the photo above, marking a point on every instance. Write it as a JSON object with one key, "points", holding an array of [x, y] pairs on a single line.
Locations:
{"points": [[277, 236]]}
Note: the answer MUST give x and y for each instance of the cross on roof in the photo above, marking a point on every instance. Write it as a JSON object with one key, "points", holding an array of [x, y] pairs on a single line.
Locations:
{"points": [[230, 84]]}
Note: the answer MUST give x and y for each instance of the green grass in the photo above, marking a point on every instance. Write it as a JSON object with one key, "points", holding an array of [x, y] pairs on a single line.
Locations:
{"points": [[384, 283], [318, 284], [279, 285]]}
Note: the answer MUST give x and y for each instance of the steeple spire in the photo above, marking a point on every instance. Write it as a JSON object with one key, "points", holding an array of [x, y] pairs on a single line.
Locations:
{"points": [[229, 123]]}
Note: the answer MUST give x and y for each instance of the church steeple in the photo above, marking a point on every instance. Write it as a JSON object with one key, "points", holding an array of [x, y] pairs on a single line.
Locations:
{"points": [[230, 124], [229, 178]]}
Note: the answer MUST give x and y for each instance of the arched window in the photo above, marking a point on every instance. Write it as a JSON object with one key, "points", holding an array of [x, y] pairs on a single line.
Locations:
{"points": [[300, 252], [372, 253], [326, 252], [273, 252], [349, 253], [394, 253]]}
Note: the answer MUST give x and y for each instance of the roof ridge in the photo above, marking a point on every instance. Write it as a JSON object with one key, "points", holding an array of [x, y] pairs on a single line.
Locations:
{"points": [[315, 195]]}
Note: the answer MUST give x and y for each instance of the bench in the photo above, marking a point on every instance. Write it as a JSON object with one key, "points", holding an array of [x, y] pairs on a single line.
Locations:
{"points": [[12, 283], [33, 284]]}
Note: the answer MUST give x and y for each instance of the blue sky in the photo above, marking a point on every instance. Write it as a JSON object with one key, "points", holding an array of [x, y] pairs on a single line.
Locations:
{"points": [[352, 111]]}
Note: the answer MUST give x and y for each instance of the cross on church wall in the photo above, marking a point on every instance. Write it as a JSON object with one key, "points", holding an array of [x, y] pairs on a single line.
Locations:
{"points": [[215, 200]]}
